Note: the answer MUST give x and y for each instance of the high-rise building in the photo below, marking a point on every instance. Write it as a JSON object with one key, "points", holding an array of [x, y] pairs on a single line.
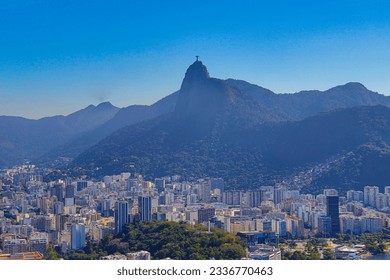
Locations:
{"points": [[121, 215], [279, 194], [330, 192], [69, 191], [295, 227], [355, 195], [281, 227], [78, 236], [371, 224], [58, 191], [252, 198], [69, 195], [169, 198], [293, 194], [145, 208], [370, 193], [324, 224], [60, 222], [58, 208], [381, 201], [204, 192], [332, 211], [233, 198]]}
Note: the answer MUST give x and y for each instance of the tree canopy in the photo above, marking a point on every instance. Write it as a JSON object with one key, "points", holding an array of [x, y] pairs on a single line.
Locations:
{"points": [[167, 240]]}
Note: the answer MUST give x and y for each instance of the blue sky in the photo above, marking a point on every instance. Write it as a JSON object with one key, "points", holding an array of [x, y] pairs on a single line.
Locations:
{"points": [[59, 56]]}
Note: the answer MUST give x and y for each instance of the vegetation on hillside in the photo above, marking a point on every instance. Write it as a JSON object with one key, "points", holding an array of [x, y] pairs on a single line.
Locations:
{"points": [[166, 240]]}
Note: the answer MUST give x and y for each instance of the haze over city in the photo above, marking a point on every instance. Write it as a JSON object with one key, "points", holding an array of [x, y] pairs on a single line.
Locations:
{"points": [[56, 58]]}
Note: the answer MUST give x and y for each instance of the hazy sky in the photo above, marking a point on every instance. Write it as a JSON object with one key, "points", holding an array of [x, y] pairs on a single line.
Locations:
{"points": [[59, 56]]}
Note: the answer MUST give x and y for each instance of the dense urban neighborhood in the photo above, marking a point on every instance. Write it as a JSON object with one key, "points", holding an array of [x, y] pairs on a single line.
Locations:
{"points": [[118, 216]]}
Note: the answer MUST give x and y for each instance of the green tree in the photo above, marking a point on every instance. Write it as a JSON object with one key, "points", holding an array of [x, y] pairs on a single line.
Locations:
{"points": [[328, 254], [51, 254]]}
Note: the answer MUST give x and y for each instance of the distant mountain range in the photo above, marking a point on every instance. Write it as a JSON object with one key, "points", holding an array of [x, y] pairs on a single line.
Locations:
{"points": [[232, 129], [24, 139], [124, 117]]}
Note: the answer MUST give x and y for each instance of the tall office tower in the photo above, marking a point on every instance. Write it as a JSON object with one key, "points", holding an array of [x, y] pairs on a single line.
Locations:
{"points": [[78, 236], [145, 208], [332, 211], [58, 191], [370, 193], [121, 215], [69, 191], [69, 195], [160, 184], [81, 185], [387, 190]]}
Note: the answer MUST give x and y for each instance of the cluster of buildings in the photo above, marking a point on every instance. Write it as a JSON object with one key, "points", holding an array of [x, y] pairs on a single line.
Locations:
{"points": [[67, 212]]}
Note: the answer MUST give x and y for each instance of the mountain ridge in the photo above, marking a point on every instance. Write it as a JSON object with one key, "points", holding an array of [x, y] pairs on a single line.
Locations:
{"points": [[24, 139], [218, 141], [125, 116], [228, 128]]}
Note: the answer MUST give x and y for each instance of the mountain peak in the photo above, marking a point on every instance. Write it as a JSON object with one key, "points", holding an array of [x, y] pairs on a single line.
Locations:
{"points": [[197, 72], [355, 86], [351, 87], [105, 105], [200, 93]]}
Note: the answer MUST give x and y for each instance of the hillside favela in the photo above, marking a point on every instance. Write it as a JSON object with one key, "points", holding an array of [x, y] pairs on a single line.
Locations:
{"points": [[219, 169]]}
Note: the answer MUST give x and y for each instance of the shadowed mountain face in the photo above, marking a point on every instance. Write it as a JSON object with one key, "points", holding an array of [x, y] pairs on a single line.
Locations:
{"points": [[200, 96], [203, 101], [237, 131]]}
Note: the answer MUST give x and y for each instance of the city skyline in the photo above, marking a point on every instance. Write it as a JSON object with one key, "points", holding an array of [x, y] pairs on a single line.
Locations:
{"points": [[55, 60], [115, 210]]}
